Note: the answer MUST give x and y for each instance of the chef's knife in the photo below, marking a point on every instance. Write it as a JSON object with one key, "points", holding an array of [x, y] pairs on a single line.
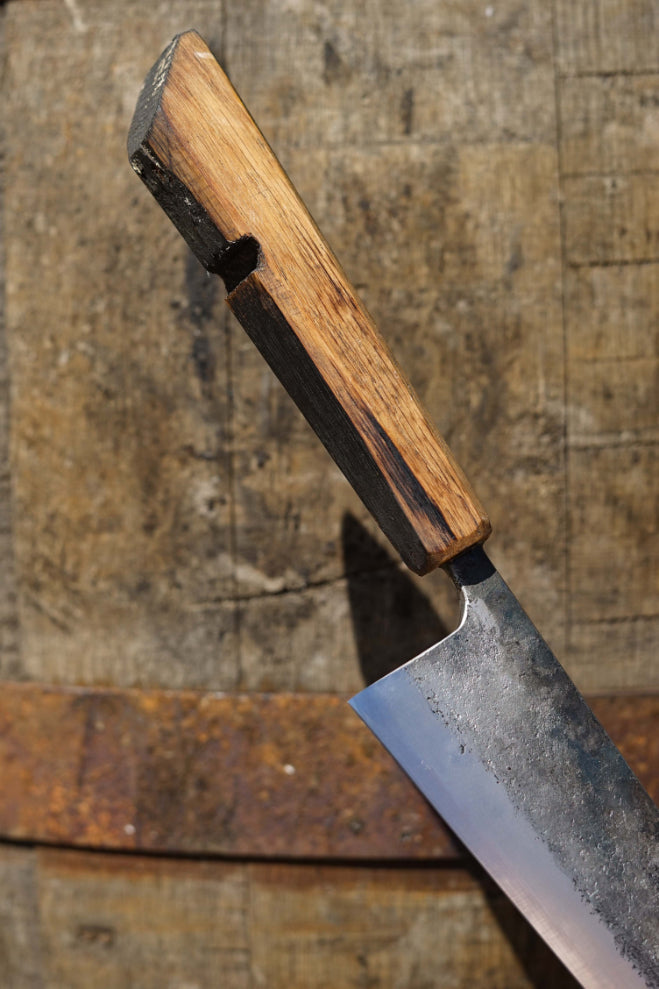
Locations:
{"points": [[486, 722]]}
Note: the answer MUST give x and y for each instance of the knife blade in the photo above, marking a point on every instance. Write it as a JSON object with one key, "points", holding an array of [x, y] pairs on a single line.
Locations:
{"points": [[486, 722]]}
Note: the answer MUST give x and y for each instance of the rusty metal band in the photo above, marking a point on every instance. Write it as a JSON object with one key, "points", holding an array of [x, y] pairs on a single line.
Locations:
{"points": [[289, 776]]}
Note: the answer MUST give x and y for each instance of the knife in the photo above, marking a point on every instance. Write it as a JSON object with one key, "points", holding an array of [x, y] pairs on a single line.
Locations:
{"points": [[486, 722]]}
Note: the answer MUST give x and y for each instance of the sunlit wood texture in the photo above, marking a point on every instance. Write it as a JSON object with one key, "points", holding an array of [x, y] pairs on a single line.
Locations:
{"points": [[486, 173]]}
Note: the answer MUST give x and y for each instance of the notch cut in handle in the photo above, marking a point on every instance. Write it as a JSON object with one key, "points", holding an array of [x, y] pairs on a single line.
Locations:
{"points": [[199, 152]]}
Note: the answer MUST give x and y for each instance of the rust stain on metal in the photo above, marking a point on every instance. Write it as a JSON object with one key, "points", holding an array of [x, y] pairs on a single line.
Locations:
{"points": [[254, 775]]}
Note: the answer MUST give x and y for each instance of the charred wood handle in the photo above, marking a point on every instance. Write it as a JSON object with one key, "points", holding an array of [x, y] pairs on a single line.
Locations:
{"points": [[202, 156]]}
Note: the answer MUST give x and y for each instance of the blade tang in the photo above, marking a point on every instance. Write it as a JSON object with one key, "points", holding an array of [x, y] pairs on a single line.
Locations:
{"points": [[200, 153]]}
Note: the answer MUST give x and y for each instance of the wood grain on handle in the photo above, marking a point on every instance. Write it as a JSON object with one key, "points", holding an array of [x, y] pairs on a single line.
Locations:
{"points": [[200, 153]]}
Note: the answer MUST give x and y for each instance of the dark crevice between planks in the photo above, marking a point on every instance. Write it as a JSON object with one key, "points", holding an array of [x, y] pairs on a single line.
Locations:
{"points": [[607, 73], [567, 564], [10, 649]]}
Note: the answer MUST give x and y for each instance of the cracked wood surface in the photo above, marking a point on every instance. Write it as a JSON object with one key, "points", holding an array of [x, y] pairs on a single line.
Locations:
{"points": [[487, 177], [116, 920]]}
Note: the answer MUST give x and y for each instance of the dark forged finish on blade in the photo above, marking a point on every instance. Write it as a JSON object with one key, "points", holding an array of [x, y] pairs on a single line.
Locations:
{"points": [[492, 730]]}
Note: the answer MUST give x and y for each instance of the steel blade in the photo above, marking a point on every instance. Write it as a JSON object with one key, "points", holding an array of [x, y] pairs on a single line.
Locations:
{"points": [[494, 733]]}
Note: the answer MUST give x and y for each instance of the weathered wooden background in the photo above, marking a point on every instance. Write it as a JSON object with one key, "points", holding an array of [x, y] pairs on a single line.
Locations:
{"points": [[489, 176]]}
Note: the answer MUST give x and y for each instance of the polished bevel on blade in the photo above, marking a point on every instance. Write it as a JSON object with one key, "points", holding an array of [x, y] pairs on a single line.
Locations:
{"points": [[494, 733]]}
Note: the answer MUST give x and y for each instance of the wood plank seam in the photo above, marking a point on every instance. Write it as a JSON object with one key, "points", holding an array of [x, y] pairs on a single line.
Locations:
{"points": [[565, 382]]}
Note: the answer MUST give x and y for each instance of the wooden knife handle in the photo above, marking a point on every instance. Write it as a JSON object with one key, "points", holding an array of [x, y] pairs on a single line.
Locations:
{"points": [[202, 156]]}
